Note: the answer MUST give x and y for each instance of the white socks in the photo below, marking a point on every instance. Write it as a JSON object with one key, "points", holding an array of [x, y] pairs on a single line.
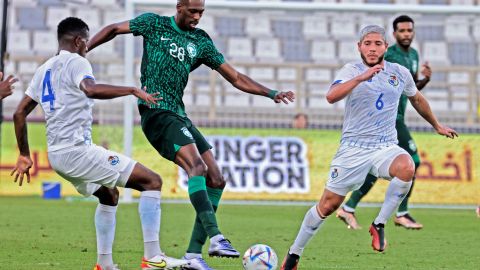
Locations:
{"points": [[310, 225], [396, 192], [149, 210], [105, 228]]}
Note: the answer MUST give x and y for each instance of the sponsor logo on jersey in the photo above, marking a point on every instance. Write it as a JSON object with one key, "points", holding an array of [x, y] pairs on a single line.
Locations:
{"points": [[192, 50], [186, 132], [414, 66], [113, 160], [164, 38], [393, 80], [334, 173]]}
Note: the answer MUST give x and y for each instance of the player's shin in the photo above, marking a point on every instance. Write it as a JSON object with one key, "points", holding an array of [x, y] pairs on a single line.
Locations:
{"points": [[150, 213], [105, 228], [396, 192], [310, 225], [197, 190]]}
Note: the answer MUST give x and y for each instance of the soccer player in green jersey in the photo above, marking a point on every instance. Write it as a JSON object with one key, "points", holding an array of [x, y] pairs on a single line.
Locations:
{"points": [[172, 48], [403, 54]]}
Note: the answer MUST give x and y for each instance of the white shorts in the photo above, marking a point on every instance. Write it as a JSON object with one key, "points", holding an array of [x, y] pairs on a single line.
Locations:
{"points": [[88, 167], [351, 165]]}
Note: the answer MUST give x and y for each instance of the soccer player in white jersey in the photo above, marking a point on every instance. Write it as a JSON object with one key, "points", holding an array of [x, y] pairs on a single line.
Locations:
{"points": [[64, 86], [372, 89]]}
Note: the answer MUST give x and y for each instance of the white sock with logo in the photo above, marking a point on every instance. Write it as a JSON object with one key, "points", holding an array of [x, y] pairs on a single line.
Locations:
{"points": [[310, 225], [149, 210], [396, 192], [105, 230]]}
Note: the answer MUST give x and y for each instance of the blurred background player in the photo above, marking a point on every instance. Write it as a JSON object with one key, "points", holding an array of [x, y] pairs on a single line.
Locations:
{"points": [[372, 89], [400, 53], [64, 86], [300, 121], [6, 86], [172, 48]]}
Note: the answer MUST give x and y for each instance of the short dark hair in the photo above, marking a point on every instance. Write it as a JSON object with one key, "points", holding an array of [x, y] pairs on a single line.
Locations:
{"points": [[400, 19], [71, 26]]}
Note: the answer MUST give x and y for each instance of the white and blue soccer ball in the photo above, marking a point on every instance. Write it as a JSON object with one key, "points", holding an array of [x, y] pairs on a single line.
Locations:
{"points": [[260, 257]]}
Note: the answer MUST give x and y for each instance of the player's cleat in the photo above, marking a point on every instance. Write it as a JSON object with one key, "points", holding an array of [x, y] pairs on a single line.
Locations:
{"points": [[407, 222], [222, 248], [379, 243], [162, 262], [349, 219], [113, 267], [290, 262], [196, 264]]}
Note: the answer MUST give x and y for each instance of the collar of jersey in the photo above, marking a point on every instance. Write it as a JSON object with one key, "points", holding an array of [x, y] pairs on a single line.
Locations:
{"points": [[175, 26], [63, 52], [398, 49]]}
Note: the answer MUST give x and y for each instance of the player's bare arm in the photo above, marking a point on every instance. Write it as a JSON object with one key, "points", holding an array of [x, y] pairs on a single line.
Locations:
{"points": [[426, 73], [108, 33], [423, 108], [339, 91], [24, 162], [106, 91], [248, 85], [6, 86]]}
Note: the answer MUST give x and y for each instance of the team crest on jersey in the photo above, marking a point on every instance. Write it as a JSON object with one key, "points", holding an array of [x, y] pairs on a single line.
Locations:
{"points": [[192, 50], [393, 80], [113, 160], [187, 133], [334, 173], [414, 66]]}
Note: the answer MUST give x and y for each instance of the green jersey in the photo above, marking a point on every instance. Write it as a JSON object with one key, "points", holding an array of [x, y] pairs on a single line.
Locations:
{"points": [[169, 55], [408, 59]]}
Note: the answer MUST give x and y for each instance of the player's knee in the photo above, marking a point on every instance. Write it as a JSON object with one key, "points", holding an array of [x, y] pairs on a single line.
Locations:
{"points": [[108, 196], [406, 170], [216, 181], [199, 168], [155, 182]]}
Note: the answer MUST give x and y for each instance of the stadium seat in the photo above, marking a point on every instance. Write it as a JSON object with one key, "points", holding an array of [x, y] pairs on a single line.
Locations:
{"points": [[348, 51], [19, 42], [27, 67], [45, 43], [476, 29], [323, 51], [287, 30], [318, 75], [229, 27], [31, 18], [115, 70], [286, 74], [239, 48], [106, 3], [315, 26], [296, 50], [91, 16], [462, 2], [429, 31], [435, 52], [55, 15], [406, 2], [268, 49], [258, 25], [457, 29], [262, 73], [462, 54], [344, 26], [319, 102], [458, 77], [113, 16], [263, 102], [207, 23], [369, 20]]}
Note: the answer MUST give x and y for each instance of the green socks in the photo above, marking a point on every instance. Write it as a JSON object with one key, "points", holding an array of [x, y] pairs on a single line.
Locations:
{"points": [[197, 190], [199, 235]]}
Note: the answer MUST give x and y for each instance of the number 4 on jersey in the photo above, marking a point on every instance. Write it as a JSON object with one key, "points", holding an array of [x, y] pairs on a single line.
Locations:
{"points": [[50, 95]]}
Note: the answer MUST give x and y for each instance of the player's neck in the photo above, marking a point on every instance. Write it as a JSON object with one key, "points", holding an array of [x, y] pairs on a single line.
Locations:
{"points": [[179, 25]]}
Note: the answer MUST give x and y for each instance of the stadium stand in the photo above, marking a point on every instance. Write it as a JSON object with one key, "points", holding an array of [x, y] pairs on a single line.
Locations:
{"points": [[294, 50]]}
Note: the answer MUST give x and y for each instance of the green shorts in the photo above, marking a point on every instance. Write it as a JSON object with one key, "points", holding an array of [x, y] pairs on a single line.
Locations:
{"points": [[167, 132], [406, 141]]}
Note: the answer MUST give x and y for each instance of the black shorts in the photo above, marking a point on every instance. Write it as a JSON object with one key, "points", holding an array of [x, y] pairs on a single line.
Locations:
{"points": [[167, 132]]}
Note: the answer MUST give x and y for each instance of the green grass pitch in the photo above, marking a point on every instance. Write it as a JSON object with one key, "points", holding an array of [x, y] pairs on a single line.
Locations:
{"points": [[39, 234]]}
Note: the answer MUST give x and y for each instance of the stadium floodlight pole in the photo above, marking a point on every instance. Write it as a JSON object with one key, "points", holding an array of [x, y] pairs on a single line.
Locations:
{"points": [[129, 101]]}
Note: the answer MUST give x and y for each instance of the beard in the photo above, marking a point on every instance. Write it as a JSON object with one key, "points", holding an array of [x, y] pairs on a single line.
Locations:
{"points": [[380, 59]]}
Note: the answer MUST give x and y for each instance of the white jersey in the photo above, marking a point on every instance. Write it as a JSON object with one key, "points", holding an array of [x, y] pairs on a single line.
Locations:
{"points": [[68, 111], [371, 108]]}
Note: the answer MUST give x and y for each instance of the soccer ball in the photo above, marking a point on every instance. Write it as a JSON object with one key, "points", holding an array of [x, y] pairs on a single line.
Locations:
{"points": [[260, 257]]}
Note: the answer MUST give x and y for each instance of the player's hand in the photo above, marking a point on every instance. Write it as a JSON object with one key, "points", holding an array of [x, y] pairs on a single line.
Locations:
{"points": [[367, 75], [6, 86], [426, 70], [286, 97], [446, 131], [149, 98], [24, 163]]}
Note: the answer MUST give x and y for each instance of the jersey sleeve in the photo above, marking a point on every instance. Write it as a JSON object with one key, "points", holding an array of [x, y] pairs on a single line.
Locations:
{"points": [[347, 73], [210, 55], [410, 86], [80, 69], [142, 25], [31, 89]]}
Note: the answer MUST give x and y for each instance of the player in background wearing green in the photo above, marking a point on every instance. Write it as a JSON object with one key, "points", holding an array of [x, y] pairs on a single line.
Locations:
{"points": [[172, 48], [6, 86], [400, 53]]}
